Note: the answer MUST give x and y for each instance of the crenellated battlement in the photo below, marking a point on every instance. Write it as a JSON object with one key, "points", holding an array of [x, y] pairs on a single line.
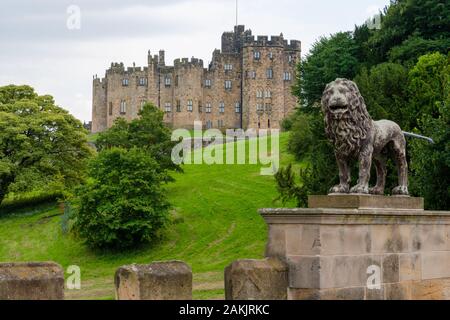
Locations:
{"points": [[185, 62], [234, 41]]}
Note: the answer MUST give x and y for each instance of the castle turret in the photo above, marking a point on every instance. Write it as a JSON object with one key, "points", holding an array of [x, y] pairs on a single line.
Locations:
{"points": [[162, 62]]}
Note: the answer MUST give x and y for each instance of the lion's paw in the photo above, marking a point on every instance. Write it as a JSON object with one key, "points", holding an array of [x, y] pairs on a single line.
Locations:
{"points": [[360, 189], [340, 188], [376, 191], [400, 191]]}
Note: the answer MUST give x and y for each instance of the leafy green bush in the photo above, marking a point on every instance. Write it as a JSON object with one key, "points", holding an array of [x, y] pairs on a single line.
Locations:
{"points": [[123, 204]]}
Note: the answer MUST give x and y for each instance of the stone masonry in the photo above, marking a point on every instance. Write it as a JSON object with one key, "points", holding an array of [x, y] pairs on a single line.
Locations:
{"points": [[355, 247], [31, 281], [171, 280], [256, 280], [246, 85]]}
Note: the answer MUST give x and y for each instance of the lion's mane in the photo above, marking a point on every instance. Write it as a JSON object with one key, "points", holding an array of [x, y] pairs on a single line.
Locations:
{"points": [[349, 131]]}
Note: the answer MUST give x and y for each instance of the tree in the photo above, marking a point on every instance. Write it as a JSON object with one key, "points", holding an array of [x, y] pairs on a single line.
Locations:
{"points": [[385, 92], [148, 132], [123, 204], [430, 163], [411, 23], [39, 139], [328, 59]]}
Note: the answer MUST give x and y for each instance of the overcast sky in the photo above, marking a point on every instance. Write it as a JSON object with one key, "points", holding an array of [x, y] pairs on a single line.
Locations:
{"points": [[37, 48]]}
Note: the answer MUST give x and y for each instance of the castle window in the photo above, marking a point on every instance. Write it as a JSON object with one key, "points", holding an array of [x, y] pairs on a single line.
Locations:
{"points": [[267, 94], [168, 107], [259, 94], [178, 106], [268, 107], [220, 123], [268, 123], [251, 74], [228, 67], [190, 106], [290, 58], [200, 108], [208, 108], [257, 55], [208, 83], [142, 81], [110, 108], [271, 55], [168, 81], [287, 76], [269, 73], [123, 107], [237, 107], [176, 80], [208, 124], [222, 107], [228, 84], [259, 107], [125, 82]]}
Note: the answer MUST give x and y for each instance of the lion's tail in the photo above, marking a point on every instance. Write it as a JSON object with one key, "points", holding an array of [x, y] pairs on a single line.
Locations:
{"points": [[413, 135]]}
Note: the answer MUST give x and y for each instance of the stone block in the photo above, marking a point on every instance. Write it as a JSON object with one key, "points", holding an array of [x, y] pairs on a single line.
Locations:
{"points": [[346, 271], [397, 291], [355, 293], [391, 238], [374, 294], [256, 280], [303, 240], [391, 267], [31, 281], [351, 201], [429, 237], [303, 294], [435, 265], [276, 245], [344, 239], [410, 265], [438, 289], [157, 281], [304, 272]]}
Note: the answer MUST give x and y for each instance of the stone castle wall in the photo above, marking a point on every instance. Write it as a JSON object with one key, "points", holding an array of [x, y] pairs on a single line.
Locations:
{"points": [[188, 92]]}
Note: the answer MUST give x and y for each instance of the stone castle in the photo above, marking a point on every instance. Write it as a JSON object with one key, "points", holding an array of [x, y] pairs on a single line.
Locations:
{"points": [[247, 85]]}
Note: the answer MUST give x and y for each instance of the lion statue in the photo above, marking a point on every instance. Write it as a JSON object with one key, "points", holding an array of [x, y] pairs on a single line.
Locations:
{"points": [[356, 136]]}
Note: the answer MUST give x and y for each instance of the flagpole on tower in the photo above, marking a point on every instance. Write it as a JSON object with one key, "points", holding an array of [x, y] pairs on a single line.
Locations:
{"points": [[237, 12]]}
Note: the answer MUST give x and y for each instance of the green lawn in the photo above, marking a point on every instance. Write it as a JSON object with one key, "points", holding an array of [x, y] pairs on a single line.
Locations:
{"points": [[214, 222]]}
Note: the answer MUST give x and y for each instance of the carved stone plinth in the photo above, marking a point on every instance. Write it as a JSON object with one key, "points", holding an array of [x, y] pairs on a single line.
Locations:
{"points": [[362, 249]]}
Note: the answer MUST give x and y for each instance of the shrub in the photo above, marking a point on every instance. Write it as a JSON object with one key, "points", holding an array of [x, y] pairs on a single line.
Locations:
{"points": [[123, 203]]}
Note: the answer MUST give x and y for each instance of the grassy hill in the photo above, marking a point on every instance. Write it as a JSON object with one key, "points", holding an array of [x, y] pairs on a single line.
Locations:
{"points": [[214, 222]]}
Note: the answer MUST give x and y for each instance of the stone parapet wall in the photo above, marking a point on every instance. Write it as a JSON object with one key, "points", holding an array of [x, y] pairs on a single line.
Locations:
{"points": [[331, 253]]}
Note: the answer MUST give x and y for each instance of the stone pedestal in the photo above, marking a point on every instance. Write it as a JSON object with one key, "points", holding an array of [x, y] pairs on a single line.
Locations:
{"points": [[31, 281], [362, 247], [170, 280], [256, 280]]}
